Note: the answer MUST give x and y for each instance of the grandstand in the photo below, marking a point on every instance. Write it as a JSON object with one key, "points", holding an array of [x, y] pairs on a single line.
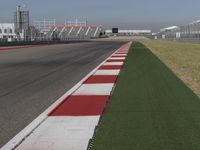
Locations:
{"points": [[74, 32]]}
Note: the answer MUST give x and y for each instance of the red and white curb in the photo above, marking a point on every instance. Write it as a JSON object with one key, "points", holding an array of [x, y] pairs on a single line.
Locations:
{"points": [[70, 122]]}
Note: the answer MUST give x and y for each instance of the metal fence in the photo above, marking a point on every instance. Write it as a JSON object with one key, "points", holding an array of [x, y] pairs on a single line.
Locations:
{"points": [[186, 32], [24, 43]]}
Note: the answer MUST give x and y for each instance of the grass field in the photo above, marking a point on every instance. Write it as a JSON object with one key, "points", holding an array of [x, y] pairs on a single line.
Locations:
{"points": [[151, 109], [182, 58]]}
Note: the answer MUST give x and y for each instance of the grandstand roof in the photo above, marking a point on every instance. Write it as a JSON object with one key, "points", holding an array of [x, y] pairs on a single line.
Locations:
{"points": [[169, 28], [194, 22], [59, 27]]}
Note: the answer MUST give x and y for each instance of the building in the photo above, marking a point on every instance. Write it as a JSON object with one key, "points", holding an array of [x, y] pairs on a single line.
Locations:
{"points": [[7, 32], [21, 20], [119, 32], [19, 30]]}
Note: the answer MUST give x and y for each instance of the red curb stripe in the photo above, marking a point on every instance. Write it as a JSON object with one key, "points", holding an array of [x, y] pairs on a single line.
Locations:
{"points": [[111, 67], [101, 79], [81, 106]]}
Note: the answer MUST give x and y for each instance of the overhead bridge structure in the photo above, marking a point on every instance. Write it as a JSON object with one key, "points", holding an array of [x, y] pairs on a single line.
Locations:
{"points": [[74, 32]]}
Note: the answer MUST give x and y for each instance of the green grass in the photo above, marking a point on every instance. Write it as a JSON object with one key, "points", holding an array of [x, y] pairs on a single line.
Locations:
{"points": [[182, 58], [151, 109]]}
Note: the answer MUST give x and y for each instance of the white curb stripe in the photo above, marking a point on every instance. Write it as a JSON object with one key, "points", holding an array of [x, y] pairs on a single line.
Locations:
{"points": [[94, 89], [119, 54], [62, 133], [113, 63], [117, 58], [107, 72]]}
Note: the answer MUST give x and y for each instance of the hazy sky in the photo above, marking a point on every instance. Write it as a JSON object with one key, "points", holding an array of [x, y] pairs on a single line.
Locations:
{"points": [[135, 14]]}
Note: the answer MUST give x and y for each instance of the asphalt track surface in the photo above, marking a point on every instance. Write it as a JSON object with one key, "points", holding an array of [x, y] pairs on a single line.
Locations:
{"points": [[31, 79]]}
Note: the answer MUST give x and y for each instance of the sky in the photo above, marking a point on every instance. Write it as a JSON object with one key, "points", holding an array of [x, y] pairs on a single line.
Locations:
{"points": [[127, 14]]}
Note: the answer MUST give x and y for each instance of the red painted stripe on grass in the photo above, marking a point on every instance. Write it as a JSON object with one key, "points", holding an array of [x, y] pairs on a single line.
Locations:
{"points": [[81, 106], [111, 67], [101, 79], [117, 60]]}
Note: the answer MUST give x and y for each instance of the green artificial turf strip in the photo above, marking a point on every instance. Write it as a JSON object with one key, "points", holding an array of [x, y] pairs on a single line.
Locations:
{"points": [[151, 109]]}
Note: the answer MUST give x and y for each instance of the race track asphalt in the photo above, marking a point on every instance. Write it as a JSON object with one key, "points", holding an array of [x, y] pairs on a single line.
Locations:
{"points": [[31, 79]]}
